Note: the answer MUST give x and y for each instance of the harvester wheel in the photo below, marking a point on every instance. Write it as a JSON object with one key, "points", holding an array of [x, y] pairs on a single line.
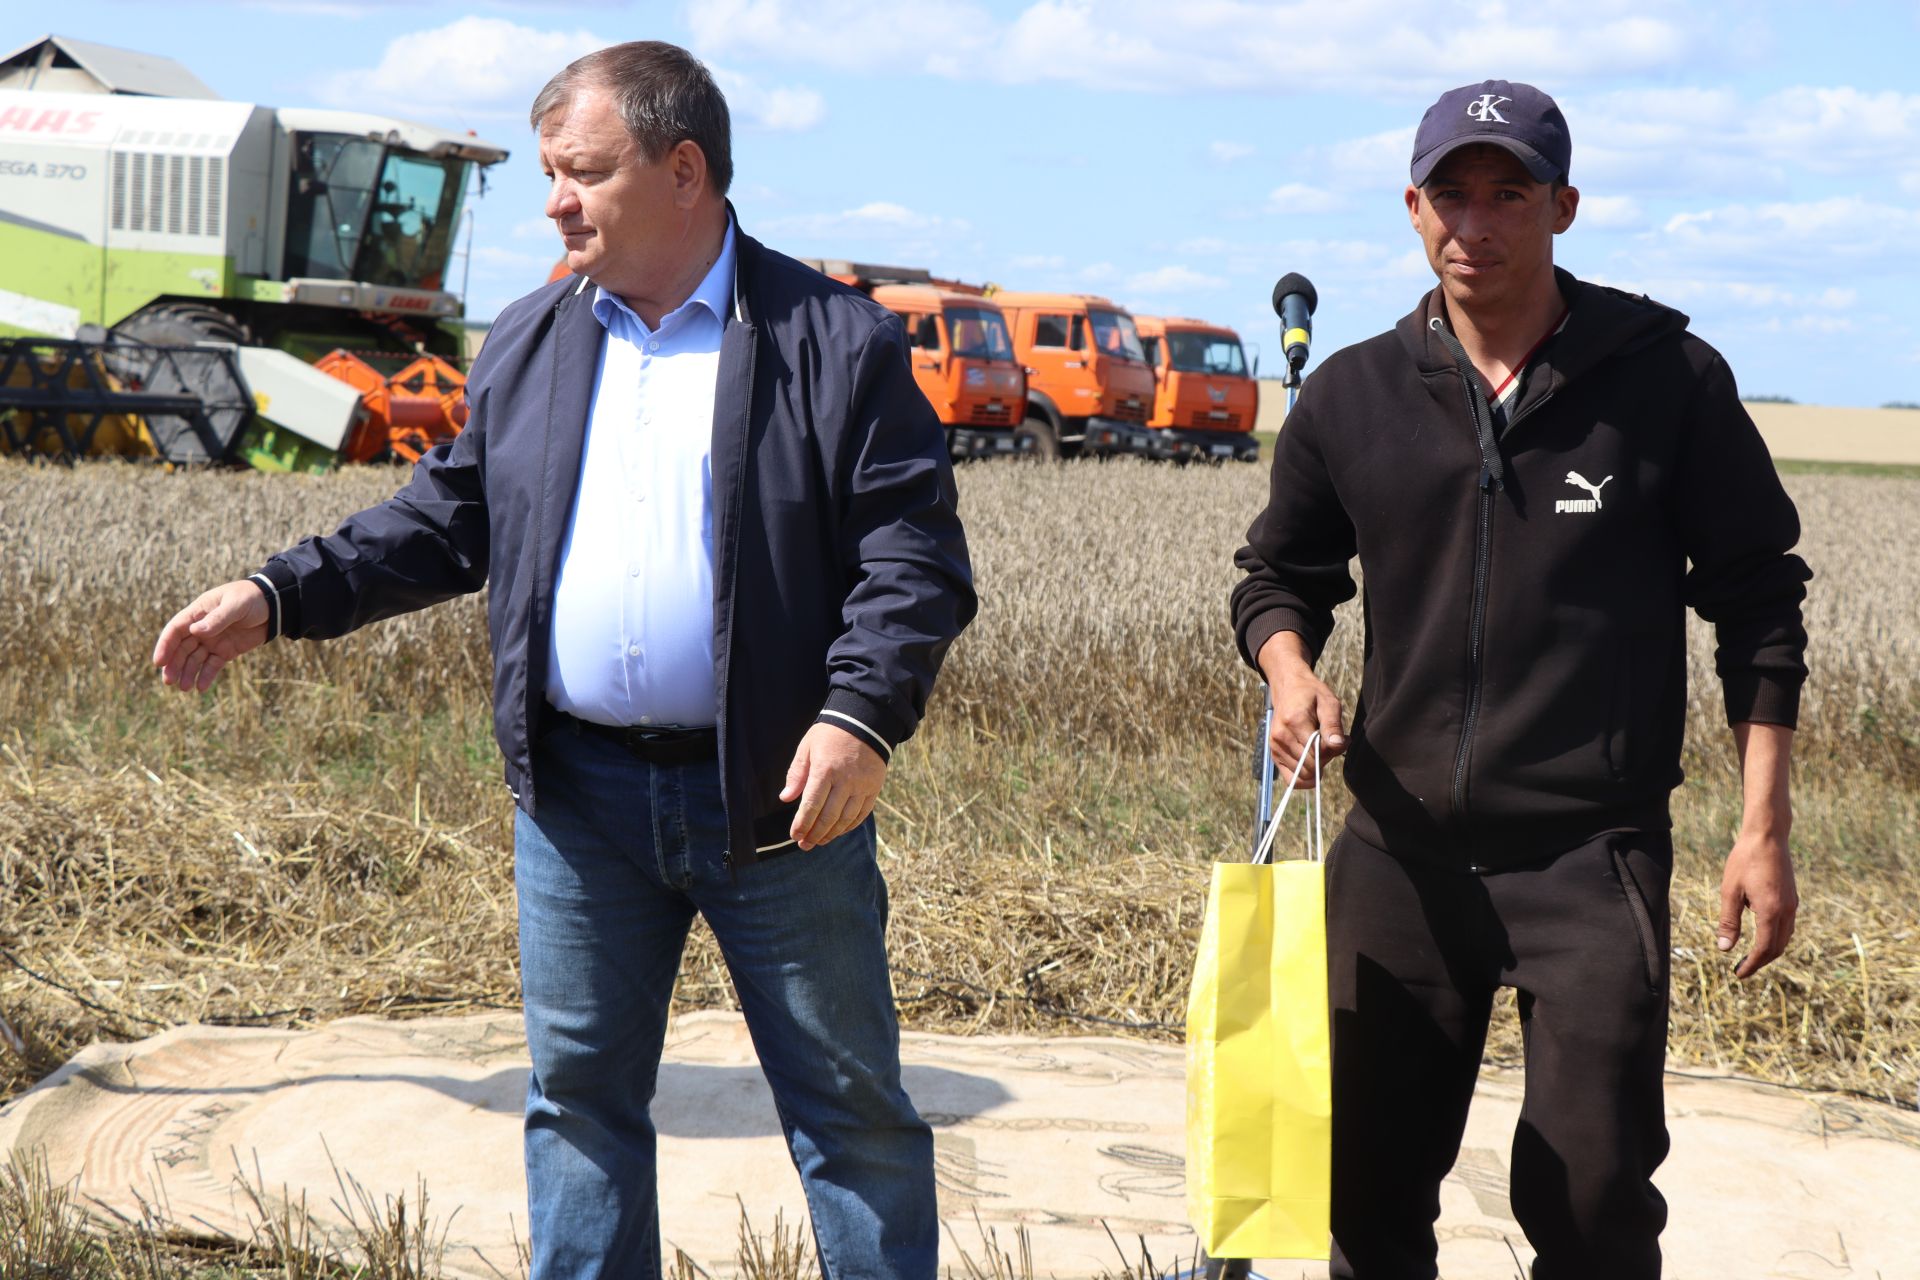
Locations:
{"points": [[1046, 441], [210, 376], [181, 324]]}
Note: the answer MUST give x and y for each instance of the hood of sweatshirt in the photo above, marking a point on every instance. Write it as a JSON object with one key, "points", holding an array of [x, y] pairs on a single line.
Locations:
{"points": [[1601, 323]]}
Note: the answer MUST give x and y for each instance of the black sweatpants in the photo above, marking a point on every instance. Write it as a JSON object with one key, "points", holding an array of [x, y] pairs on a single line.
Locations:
{"points": [[1415, 955]]}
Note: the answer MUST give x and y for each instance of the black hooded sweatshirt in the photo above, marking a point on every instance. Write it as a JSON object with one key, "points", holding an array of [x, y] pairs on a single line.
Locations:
{"points": [[1525, 681]]}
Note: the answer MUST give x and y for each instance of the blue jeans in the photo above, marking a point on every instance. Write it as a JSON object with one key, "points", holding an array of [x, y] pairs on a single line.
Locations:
{"points": [[609, 877]]}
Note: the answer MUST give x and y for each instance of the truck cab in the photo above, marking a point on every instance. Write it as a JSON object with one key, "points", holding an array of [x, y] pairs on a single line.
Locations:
{"points": [[1089, 388], [962, 355], [1205, 398]]}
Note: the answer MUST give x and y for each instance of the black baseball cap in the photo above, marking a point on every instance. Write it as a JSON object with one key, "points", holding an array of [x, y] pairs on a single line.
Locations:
{"points": [[1516, 117]]}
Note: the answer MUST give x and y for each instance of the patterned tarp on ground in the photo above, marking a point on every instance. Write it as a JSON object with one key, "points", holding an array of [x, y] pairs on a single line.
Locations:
{"points": [[1066, 1137]]}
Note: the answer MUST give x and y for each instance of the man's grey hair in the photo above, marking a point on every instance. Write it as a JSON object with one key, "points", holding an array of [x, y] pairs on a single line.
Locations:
{"points": [[662, 94]]}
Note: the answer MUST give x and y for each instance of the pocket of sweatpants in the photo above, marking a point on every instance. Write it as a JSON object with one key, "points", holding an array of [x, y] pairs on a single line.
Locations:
{"points": [[1641, 912]]}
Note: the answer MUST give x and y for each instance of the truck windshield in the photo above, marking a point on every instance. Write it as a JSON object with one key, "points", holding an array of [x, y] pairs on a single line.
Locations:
{"points": [[979, 333], [362, 212], [1114, 335], [1206, 353]]}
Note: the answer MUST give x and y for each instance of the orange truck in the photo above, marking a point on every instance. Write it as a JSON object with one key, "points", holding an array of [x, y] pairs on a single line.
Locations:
{"points": [[1205, 398], [963, 359], [1089, 388]]}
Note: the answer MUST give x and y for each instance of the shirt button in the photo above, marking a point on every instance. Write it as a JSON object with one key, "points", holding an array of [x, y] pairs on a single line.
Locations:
{"points": [[633, 570], [646, 719], [633, 651], [654, 345]]}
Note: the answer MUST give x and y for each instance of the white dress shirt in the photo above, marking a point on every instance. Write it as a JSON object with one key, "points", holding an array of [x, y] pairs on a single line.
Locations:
{"points": [[633, 606]]}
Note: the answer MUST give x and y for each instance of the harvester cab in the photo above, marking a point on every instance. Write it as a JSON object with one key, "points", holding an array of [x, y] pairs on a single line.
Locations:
{"points": [[295, 263], [1205, 398], [1088, 385], [962, 355]]}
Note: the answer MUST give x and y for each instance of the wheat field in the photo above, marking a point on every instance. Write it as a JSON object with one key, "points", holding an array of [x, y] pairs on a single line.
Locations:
{"points": [[327, 834]]}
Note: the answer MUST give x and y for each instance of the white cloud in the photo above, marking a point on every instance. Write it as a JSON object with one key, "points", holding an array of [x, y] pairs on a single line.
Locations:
{"points": [[782, 109], [1229, 152], [474, 67], [1826, 309], [533, 266], [540, 228], [1038, 261], [1612, 213], [1375, 162], [1837, 229], [1717, 139], [1411, 265], [1296, 197], [1205, 245], [849, 35], [1237, 45], [879, 219], [1098, 272], [1172, 279], [490, 68]]}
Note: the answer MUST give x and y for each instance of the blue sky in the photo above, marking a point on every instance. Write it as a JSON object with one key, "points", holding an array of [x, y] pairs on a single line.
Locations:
{"points": [[1755, 164]]}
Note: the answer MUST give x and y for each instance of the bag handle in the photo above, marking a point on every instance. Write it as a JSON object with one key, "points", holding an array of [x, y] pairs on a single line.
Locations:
{"points": [[1316, 840]]}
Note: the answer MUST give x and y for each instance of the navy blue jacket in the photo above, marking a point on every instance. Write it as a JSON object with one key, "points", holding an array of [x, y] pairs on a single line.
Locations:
{"points": [[840, 567]]}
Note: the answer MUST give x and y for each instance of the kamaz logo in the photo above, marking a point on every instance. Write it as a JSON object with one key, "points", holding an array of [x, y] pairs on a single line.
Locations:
{"points": [[1217, 394]]}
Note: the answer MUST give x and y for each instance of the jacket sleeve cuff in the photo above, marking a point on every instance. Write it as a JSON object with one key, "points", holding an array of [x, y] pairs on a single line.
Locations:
{"points": [[281, 587], [866, 720], [1266, 625], [1757, 697]]}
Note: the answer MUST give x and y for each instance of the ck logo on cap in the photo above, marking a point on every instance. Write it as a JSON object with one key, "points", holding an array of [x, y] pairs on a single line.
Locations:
{"points": [[1482, 108]]}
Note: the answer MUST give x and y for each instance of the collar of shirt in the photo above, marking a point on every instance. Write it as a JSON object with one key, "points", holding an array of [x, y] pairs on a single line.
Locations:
{"points": [[715, 293]]}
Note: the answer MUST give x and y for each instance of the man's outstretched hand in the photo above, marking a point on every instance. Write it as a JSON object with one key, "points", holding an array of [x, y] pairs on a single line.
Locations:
{"points": [[836, 778], [209, 633]]}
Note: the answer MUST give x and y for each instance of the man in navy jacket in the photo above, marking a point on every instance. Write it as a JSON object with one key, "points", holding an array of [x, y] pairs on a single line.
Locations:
{"points": [[718, 526]]}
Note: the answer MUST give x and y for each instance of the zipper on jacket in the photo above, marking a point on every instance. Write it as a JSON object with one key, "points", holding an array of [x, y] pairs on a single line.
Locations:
{"points": [[1477, 625], [1492, 479]]}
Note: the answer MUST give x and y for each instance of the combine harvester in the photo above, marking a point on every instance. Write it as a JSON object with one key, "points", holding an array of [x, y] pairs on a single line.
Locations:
{"points": [[203, 281], [1205, 398]]}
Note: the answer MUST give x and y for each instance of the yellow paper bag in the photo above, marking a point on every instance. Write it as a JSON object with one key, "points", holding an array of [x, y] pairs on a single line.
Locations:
{"points": [[1259, 1062]]}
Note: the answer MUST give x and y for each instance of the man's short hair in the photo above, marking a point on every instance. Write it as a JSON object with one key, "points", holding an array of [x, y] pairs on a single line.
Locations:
{"points": [[663, 95]]}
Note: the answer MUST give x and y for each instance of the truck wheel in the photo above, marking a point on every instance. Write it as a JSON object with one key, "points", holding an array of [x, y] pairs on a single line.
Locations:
{"points": [[1046, 441]]}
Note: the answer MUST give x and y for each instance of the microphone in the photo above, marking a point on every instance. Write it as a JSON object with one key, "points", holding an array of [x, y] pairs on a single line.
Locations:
{"points": [[1294, 301]]}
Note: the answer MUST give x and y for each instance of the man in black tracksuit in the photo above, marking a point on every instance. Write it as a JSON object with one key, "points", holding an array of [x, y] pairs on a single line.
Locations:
{"points": [[1538, 476]]}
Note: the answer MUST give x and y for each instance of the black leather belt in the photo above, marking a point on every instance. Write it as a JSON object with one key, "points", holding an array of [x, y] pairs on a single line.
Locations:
{"points": [[655, 746]]}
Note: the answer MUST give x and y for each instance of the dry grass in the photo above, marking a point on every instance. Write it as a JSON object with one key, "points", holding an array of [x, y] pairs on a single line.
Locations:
{"points": [[327, 833], [46, 1234]]}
